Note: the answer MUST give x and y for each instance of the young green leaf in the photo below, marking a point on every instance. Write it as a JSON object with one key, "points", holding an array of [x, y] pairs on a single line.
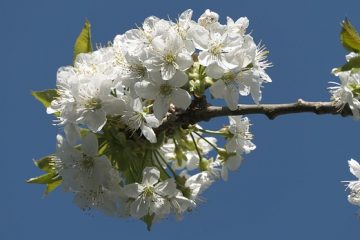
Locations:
{"points": [[83, 41], [349, 37], [45, 163], [350, 65], [46, 178], [51, 186], [46, 96]]}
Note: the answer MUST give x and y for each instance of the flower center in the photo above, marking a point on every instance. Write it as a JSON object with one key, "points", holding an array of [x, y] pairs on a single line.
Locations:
{"points": [[149, 191], [169, 58], [228, 77], [93, 104], [87, 162], [139, 70], [165, 89], [216, 49]]}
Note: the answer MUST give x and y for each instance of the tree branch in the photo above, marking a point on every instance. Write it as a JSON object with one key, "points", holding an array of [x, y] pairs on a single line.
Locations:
{"points": [[202, 112]]}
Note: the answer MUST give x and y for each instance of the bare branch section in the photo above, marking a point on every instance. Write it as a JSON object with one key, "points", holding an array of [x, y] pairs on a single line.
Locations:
{"points": [[200, 113]]}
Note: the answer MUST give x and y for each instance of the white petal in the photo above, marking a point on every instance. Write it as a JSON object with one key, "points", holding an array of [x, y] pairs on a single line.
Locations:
{"points": [[205, 58], [139, 208], [95, 120], [133, 190], [151, 120], [232, 97], [179, 79], [151, 176], [167, 71], [161, 106], [166, 188], [215, 71], [218, 89], [185, 16], [200, 36], [148, 133], [224, 173], [72, 133], [146, 90], [354, 168], [233, 162], [231, 145], [181, 98], [90, 144], [184, 61]]}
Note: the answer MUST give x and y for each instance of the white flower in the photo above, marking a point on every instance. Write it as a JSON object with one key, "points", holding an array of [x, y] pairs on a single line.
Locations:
{"points": [[91, 177], [151, 196], [239, 27], [180, 204], [165, 92], [168, 54], [241, 80], [137, 41], [354, 186], [241, 137], [231, 163], [347, 92], [217, 47], [135, 118], [208, 18], [182, 27]]}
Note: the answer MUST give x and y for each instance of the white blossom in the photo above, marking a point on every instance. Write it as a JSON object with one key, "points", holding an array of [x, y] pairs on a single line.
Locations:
{"points": [[168, 54], [135, 118], [354, 186], [91, 177], [347, 92], [241, 137], [165, 92], [151, 195]]}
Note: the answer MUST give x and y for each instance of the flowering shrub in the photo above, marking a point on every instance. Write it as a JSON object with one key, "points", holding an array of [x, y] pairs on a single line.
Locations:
{"points": [[120, 149]]}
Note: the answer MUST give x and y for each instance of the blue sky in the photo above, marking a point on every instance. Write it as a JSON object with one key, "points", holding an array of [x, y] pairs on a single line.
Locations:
{"points": [[288, 188]]}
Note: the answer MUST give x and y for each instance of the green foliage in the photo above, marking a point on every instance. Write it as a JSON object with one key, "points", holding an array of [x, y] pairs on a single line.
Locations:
{"points": [[349, 37], [46, 96], [352, 64], [51, 178], [83, 42]]}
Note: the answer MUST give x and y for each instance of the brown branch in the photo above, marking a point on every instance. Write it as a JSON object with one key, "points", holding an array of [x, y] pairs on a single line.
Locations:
{"points": [[200, 113]]}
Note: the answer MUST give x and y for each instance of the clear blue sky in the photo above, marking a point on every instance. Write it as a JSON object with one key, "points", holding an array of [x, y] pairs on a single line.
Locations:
{"points": [[288, 188]]}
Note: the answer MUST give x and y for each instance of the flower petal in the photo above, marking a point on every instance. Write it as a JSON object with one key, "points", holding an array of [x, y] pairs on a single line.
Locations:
{"points": [[181, 98], [133, 190], [95, 120], [148, 133], [90, 144], [146, 90], [179, 79], [184, 61], [139, 208], [166, 188], [151, 176], [161, 106]]}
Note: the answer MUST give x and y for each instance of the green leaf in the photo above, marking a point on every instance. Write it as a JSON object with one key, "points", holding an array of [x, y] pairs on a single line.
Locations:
{"points": [[46, 178], [350, 65], [51, 186], [45, 163], [46, 96], [83, 41], [148, 220], [349, 37]]}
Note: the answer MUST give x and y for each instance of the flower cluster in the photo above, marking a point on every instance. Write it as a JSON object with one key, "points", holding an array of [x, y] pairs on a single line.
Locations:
{"points": [[114, 155], [348, 91], [354, 186]]}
